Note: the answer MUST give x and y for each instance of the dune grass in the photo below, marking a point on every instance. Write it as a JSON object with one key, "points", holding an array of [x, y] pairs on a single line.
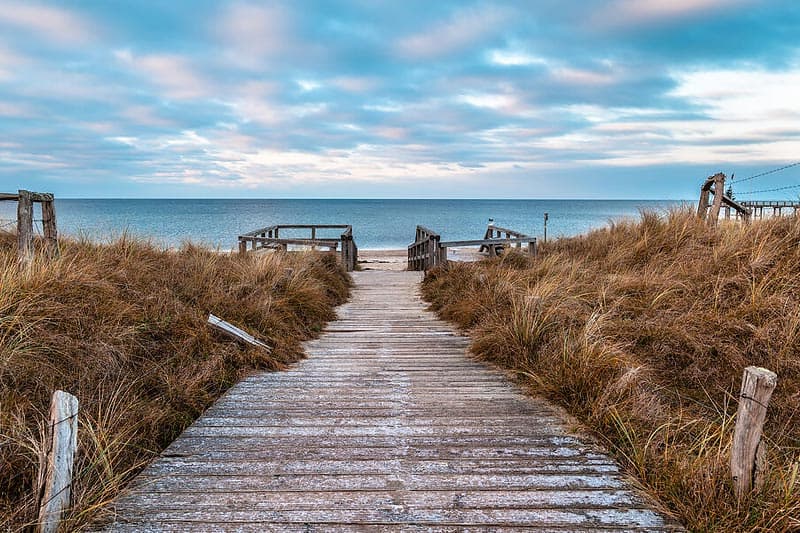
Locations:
{"points": [[122, 327], [642, 330]]}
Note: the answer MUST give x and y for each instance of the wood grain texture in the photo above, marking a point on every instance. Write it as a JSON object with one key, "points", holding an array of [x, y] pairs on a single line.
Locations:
{"points": [[747, 464], [388, 425], [56, 478]]}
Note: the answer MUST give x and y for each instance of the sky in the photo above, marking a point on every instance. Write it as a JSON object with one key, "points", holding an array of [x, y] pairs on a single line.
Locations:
{"points": [[637, 99]]}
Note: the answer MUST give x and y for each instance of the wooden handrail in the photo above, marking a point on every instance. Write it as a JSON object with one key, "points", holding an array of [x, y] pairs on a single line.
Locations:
{"points": [[428, 250], [347, 227], [269, 238], [476, 242]]}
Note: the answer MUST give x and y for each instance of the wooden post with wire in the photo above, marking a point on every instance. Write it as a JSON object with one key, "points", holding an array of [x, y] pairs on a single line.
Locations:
{"points": [[748, 452], [55, 468]]}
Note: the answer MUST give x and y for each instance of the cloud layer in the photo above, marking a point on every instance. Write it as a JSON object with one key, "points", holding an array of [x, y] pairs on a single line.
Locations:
{"points": [[635, 99]]}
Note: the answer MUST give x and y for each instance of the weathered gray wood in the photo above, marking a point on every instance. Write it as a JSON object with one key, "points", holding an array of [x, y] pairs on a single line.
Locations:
{"points": [[55, 479], [268, 238], [238, 334], [757, 386], [388, 425], [719, 191], [487, 242], [25, 227], [49, 227]]}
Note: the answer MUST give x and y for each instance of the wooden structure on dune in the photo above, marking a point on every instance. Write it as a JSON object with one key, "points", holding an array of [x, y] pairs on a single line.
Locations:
{"points": [[25, 200], [270, 238], [722, 204], [428, 250]]}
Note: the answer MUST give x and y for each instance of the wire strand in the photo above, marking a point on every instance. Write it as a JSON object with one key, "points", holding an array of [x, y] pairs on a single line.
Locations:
{"points": [[766, 173], [785, 188]]}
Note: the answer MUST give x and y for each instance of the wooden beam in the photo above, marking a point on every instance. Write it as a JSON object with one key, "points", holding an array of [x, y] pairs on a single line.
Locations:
{"points": [[55, 475], [451, 244], [748, 449], [238, 334]]}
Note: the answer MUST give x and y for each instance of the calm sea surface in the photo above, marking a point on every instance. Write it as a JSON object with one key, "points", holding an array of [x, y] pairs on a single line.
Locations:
{"points": [[377, 224]]}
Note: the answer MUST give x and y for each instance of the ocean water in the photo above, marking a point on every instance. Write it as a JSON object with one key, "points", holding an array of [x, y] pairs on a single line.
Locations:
{"points": [[377, 224]]}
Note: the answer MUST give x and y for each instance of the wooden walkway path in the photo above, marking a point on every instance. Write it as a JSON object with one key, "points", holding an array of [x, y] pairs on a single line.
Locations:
{"points": [[388, 425]]}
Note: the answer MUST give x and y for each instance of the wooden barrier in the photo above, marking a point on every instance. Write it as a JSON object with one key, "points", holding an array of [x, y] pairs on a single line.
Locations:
{"points": [[25, 200], [715, 185], [55, 468], [425, 252], [748, 452], [428, 250], [269, 238]]}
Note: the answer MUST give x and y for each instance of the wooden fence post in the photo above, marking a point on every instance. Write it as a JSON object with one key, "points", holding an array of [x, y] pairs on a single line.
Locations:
{"points": [[748, 453], [55, 474], [49, 224], [25, 227], [719, 191]]}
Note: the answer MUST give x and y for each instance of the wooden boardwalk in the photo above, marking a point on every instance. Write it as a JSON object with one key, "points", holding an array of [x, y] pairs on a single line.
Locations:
{"points": [[388, 425]]}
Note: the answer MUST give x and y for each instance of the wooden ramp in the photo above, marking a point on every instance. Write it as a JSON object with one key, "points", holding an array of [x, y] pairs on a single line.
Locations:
{"points": [[387, 425]]}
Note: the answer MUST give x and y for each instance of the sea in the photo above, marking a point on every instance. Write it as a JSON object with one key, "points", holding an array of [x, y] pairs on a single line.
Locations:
{"points": [[377, 224]]}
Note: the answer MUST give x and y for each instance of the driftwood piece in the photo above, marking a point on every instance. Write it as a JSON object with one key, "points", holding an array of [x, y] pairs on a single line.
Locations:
{"points": [[238, 334], [757, 386], [55, 478]]}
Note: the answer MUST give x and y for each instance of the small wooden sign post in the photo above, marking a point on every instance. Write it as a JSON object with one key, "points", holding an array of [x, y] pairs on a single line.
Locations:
{"points": [[748, 453]]}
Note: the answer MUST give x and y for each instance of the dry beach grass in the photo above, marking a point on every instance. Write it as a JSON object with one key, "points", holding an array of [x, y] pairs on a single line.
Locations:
{"points": [[122, 327], [642, 330]]}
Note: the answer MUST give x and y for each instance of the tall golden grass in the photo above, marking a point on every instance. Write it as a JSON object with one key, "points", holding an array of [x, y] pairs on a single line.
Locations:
{"points": [[642, 331], [122, 327]]}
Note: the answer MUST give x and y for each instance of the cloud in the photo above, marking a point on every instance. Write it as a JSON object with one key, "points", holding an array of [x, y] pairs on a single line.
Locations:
{"points": [[514, 58], [464, 28], [291, 96], [253, 33], [48, 22], [173, 73], [622, 13]]}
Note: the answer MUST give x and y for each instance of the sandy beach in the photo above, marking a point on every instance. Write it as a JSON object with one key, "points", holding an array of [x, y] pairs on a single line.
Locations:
{"points": [[398, 259]]}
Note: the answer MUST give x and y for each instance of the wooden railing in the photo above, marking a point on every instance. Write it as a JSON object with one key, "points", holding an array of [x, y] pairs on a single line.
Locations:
{"points": [[425, 252], [428, 250], [269, 238], [496, 232]]}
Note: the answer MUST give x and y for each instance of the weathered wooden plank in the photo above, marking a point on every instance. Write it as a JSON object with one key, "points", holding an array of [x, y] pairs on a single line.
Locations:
{"points": [[473, 499], [394, 482], [236, 333], [399, 513], [166, 526]]}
